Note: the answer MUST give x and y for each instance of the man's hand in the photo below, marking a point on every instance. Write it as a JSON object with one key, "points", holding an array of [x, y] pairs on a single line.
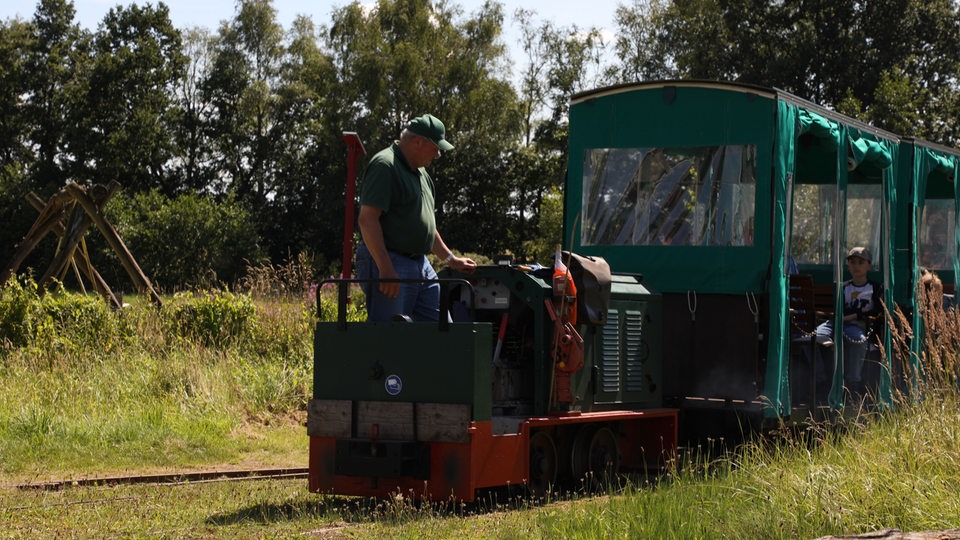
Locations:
{"points": [[462, 264], [390, 290]]}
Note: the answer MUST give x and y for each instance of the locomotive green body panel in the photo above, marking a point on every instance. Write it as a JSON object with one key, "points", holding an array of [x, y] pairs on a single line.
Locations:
{"points": [[404, 362]]}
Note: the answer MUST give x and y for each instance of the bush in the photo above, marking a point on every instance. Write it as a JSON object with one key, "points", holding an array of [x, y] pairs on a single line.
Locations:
{"points": [[187, 241], [80, 321], [61, 320], [213, 318], [19, 312], [327, 296]]}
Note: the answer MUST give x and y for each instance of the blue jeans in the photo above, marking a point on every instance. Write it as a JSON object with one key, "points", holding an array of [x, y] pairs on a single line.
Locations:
{"points": [[419, 301], [854, 348]]}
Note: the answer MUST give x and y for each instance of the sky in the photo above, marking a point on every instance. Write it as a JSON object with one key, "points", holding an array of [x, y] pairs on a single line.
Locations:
{"points": [[209, 13]]}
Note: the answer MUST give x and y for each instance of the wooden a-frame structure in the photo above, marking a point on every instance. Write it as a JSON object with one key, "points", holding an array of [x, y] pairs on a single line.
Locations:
{"points": [[68, 214]]}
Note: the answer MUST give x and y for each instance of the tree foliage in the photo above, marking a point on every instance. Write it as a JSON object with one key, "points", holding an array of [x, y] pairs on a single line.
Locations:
{"points": [[123, 124], [244, 123], [897, 58], [188, 240]]}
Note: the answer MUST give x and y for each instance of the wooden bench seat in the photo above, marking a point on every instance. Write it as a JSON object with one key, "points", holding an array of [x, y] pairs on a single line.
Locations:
{"points": [[824, 299]]}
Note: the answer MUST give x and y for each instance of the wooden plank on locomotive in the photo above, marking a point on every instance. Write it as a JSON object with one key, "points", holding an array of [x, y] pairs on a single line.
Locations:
{"points": [[391, 420], [329, 418], [443, 422]]}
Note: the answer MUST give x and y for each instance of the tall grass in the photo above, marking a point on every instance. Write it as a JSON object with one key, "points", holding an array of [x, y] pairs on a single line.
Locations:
{"points": [[163, 394], [207, 378], [862, 472]]}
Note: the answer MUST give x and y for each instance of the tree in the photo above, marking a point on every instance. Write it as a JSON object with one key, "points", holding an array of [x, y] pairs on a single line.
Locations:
{"points": [[242, 89], [640, 43], [914, 53], [560, 63], [53, 62], [15, 38], [404, 58], [194, 163], [309, 183], [124, 121], [897, 58], [183, 241], [543, 246], [39, 63]]}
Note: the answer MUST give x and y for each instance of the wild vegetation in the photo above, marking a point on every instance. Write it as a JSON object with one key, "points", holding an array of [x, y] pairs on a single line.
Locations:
{"points": [[87, 390], [219, 378], [228, 145]]}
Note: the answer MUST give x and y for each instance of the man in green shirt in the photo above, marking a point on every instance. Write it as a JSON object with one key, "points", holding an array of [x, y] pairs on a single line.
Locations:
{"points": [[398, 226]]}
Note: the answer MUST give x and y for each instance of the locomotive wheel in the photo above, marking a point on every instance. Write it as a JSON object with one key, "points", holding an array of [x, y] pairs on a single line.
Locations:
{"points": [[543, 463], [580, 454], [604, 458]]}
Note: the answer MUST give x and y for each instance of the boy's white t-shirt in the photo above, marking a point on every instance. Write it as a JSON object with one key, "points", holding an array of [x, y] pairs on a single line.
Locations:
{"points": [[858, 297]]}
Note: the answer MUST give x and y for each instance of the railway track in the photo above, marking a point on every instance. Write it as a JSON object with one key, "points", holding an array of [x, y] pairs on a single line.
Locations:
{"points": [[230, 475]]}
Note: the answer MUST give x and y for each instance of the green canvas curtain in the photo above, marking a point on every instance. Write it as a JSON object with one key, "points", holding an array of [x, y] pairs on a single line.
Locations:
{"points": [[890, 176], [876, 154], [777, 381], [792, 123], [825, 130], [835, 397], [956, 230]]}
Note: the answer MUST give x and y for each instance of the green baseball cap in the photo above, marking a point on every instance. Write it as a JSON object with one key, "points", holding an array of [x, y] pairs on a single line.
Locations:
{"points": [[431, 127]]}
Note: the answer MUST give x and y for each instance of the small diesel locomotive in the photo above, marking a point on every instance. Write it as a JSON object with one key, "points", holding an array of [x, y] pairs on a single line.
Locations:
{"points": [[525, 387]]}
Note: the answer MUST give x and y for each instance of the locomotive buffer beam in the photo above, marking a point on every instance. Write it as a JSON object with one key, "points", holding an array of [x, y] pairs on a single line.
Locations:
{"points": [[383, 459]]}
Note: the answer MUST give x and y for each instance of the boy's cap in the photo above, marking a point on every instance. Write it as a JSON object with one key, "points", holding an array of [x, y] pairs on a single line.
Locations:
{"points": [[861, 252], [431, 127]]}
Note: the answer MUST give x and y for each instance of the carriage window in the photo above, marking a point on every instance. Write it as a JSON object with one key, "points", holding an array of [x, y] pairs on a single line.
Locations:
{"points": [[814, 211], [700, 196], [814, 215], [864, 211], [937, 231]]}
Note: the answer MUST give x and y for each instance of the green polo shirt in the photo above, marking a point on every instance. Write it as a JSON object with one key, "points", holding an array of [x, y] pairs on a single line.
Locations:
{"points": [[406, 198]]}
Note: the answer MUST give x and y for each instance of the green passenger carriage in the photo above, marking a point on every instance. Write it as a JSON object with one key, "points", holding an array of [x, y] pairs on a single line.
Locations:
{"points": [[717, 192]]}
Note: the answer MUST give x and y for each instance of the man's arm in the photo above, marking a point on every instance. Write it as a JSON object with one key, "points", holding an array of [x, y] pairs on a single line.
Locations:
{"points": [[372, 233]]}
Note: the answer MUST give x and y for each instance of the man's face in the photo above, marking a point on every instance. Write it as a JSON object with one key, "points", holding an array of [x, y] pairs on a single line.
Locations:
{"points": [[426, 151]]}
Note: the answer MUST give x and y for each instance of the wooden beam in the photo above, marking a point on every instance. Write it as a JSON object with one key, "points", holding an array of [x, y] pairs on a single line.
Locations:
{"points": [[77, 225], [50, 216], [116, 243], [83, 261], [72, 233]]}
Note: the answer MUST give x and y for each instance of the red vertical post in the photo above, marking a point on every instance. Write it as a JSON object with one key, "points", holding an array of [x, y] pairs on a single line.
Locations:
{"points": [[354, 152]]}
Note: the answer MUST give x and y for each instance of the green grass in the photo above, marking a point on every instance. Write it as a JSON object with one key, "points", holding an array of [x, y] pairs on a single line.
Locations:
{"points": [[268, 509], [211, 378], [894, 471], [899, 470]]}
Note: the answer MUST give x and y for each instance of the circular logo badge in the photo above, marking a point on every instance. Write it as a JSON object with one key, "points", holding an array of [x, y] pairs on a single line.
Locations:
{"points": [[393, 385]]}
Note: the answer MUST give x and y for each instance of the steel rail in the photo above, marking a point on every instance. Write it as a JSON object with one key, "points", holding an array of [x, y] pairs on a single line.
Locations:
{"points": [[167, 478]]}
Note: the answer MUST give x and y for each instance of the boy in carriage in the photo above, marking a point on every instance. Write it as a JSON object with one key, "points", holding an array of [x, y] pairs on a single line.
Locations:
{"points": [[861, 309]]}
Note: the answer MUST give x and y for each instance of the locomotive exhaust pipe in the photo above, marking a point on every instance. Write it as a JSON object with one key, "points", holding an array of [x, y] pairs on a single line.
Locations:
{"points": [[354, 152]]}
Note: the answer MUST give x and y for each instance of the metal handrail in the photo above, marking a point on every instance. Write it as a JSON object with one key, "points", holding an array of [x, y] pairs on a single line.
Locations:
{"points": [[445, 284]]}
